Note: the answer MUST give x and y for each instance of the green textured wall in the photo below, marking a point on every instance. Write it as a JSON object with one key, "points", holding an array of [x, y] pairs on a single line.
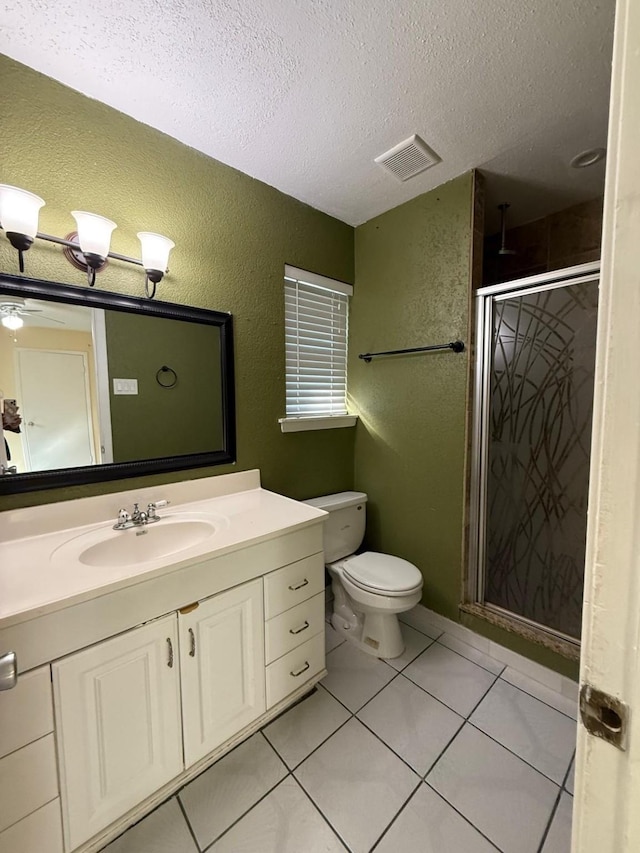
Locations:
{"points": [[413, 289], [157, 421], [233, 236]]}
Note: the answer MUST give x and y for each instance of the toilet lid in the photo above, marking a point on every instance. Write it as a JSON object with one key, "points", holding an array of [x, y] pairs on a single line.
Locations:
{"points": [[383, 573]]}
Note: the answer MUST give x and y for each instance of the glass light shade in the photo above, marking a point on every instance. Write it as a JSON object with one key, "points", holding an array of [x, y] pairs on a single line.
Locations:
{"points": [[19, 210], [12, 321], [94, 232], [155, 250]]}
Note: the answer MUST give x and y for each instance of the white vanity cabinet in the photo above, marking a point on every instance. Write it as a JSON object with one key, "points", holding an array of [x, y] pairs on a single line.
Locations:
{"points": [[118, 725], [222, 667], [30, 818], [127, 707], [158, 671]]}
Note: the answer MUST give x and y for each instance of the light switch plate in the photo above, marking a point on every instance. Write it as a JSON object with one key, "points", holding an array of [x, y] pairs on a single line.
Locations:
{"points": [[125, 386]]}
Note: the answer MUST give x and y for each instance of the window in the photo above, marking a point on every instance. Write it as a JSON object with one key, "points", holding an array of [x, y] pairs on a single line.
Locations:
{"points": [[316, 325]]}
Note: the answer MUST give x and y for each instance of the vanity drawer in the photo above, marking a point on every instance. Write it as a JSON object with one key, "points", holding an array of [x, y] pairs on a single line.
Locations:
{"points": [[292, 584], [28, 780], [26, 711], [293, 627], [40, 831], [291, 671]]}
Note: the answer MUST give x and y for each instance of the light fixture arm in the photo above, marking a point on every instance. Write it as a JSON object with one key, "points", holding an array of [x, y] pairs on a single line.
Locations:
{"points": [[22, 243], [70, 244]]}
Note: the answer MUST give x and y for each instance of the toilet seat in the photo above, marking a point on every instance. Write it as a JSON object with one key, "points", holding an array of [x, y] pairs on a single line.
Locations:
{"points": [[382, 574]]}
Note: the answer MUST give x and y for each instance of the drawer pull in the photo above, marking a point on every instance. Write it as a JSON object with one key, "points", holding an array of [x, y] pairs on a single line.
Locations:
{"points": [[8, 669], [300, 671], [192, 643], [170, 648], [294, 587], [300, 629]]}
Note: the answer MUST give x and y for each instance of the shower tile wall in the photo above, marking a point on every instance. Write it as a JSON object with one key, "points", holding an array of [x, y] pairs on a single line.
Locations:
{"points": [[563, 239]]}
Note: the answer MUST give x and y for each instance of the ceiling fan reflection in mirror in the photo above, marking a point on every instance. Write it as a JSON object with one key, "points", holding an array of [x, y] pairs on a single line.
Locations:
{"points": [[14, 310]]}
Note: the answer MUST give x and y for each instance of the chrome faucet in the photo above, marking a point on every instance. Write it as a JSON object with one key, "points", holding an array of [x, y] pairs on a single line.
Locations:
{"points": [[139, 517]]}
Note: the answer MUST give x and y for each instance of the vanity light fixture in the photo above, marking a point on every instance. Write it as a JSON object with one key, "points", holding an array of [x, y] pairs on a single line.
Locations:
{"points": [[94, 236], [19, 218], [19, 211], [155, 258]]}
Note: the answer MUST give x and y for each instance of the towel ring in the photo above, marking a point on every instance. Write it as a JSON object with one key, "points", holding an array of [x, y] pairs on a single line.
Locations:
{"points": [[165, 369]]}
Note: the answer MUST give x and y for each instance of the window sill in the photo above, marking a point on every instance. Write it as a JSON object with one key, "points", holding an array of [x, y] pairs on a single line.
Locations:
{"points": [[328, 422]]}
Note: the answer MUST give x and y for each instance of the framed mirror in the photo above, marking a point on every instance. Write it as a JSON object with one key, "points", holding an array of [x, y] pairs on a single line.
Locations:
{"points": [[110, 386]]}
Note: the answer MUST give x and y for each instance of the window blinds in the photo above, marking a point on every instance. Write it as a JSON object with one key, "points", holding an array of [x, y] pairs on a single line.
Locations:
{"points": [[316, 324]]}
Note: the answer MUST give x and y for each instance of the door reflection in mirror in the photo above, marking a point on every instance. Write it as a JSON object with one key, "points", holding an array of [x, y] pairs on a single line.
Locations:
{"points": [[85, 380]]}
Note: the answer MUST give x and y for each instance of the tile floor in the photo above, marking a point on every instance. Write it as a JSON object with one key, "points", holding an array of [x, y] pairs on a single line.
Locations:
{"points": [[439, 751]]}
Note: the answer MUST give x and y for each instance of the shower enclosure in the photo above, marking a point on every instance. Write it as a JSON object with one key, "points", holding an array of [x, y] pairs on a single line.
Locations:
{"points": [[536, 341]]}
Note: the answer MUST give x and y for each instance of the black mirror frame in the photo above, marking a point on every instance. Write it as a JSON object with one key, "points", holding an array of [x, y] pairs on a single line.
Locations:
{"points": [[15, 285]]}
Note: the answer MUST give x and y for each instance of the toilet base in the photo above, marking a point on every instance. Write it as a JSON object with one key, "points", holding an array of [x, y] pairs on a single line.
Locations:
{"points": [[377, 634]]}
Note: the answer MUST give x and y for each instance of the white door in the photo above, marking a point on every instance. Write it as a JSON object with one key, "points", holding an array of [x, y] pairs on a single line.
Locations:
{"points": [[607, 793], [55, 409], [118, 725], [222, 662]]}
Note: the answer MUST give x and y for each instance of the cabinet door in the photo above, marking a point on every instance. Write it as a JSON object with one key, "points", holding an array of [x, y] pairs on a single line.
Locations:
{"points": [[222, 662], [118, 725]]}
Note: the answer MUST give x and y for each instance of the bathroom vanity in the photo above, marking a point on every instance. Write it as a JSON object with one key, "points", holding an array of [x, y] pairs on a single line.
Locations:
{"points": [[145, 654]]}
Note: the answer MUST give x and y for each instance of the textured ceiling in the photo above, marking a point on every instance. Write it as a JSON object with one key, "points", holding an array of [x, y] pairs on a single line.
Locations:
{"points": [[303, 94]]}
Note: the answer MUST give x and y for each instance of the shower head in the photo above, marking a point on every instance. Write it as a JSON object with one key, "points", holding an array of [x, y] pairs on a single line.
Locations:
{"points": [[503, 229]]}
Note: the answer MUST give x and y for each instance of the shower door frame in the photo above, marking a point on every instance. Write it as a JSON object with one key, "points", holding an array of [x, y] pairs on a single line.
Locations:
{"points": [[475, 581]]}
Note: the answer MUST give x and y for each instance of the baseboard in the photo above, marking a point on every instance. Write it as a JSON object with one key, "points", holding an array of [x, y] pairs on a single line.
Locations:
{"points": [[431, 623]]}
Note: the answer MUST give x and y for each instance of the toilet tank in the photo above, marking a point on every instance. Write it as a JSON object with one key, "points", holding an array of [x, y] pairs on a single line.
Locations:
{"points": [[344, 528]]}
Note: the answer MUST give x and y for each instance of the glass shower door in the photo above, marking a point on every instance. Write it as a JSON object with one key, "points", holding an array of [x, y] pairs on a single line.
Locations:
{"points": [[537, 397]]}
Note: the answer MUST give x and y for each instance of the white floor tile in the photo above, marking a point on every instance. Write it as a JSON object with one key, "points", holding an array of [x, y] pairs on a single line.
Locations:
{"points": [[299, 731], [541, 735], [471, 653], [163, 831], [451, 678], [284, 822], [354, 676], [415, 642], [569, 784], [559, 838], [412, 723], [550, 697], [418, 618], [357, 783], [224, 792], [428, 824], [507, 800], [571, 690], [331, 638]]}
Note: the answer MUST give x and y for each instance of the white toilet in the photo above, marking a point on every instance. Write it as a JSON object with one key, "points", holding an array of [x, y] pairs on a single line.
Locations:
{"points": [[369, 589]]}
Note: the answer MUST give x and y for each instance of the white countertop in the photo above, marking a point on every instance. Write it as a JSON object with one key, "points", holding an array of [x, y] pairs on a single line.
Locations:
{"points": [[33, 583]]}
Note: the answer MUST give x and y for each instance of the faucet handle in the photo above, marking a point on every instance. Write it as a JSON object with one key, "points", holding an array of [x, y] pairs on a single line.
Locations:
{"points": [[153, 506], [124, 520]]}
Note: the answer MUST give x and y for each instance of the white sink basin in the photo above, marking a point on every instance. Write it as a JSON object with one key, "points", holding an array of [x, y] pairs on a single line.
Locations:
{"points": [[108, 548]]}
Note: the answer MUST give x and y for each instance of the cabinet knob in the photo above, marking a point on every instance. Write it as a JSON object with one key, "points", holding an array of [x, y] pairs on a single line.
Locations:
{"points": [[192, 643], [300, 671], [294, 587], [170, 658], [8, 671], [299, 630]]}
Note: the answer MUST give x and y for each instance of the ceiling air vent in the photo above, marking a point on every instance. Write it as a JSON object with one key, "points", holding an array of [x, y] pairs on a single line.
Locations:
{"points": [[407, 159]]}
